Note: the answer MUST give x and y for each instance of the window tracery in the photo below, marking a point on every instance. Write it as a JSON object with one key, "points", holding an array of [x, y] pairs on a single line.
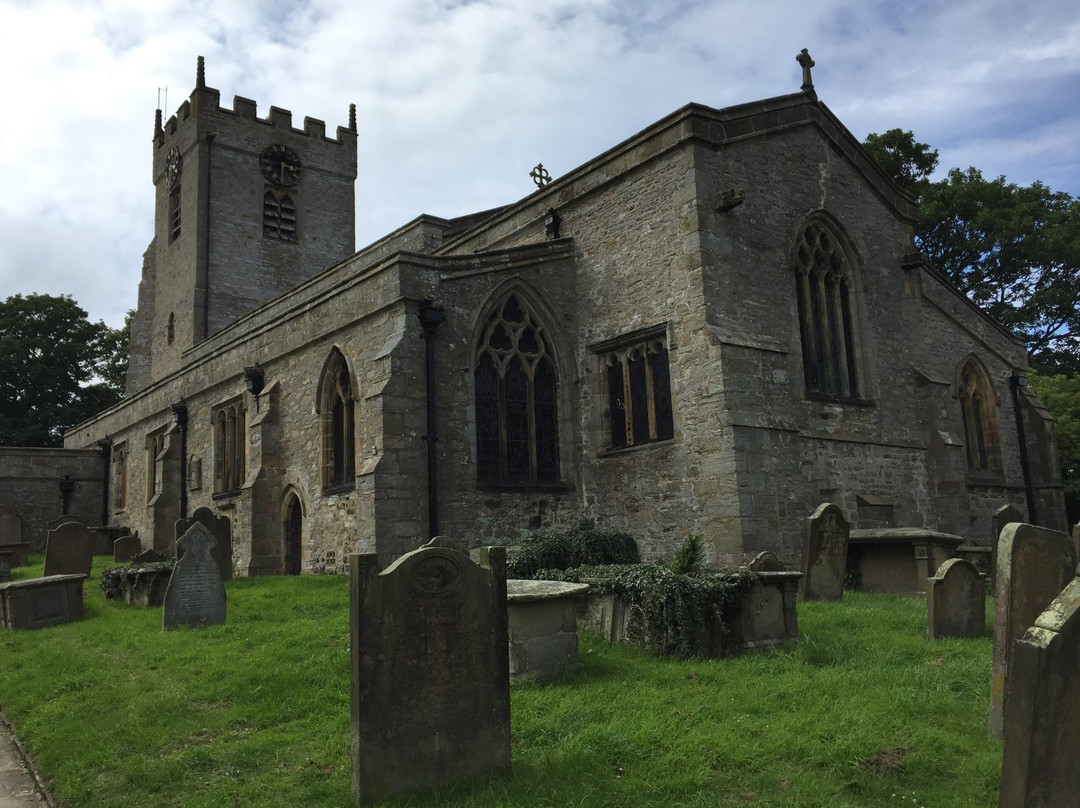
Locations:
{"points": [[337, 410], [516, 386], [979, 416], [827, 322]]}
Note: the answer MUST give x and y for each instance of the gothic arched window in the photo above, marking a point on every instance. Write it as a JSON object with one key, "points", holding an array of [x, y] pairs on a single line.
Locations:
{"points": [[337, 423], [978, 413], [517, 438], [826, 315], [230, 455]]}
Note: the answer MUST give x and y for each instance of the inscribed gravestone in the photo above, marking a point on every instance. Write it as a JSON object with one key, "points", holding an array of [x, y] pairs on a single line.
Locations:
{"points": [[430, 670], [1042, 716], [1034, 564], [196, 594], [126, 548], [956, 601], [824, 555], [69, 549], [221, 528]]}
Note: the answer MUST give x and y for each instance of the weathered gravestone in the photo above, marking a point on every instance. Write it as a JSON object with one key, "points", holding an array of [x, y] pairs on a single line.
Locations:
{"points": [[196, 594], [69, 549], [1034, 564], [1005, 515], [148, 556], [126, 548], [956, 601], [1042, 716], [824, 555], [430, 670], [221, 528]]}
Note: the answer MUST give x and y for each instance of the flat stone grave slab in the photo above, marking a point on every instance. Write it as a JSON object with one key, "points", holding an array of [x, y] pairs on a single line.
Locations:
{"points": [[196, 594], [1042, 716], [824, 554], [1034, 565], [542, 618], [956, 601], [69, 550], [430, 670], [41, 602]]}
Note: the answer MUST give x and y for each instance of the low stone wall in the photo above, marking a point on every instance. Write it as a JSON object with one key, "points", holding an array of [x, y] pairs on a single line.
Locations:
{"points": [[31, 496]]}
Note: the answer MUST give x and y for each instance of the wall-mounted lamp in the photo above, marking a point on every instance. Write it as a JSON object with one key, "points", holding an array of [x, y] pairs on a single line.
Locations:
{"points": [[254, 381]]}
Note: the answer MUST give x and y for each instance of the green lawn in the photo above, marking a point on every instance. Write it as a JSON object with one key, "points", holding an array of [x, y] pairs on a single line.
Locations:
{"points": [[864, 711]]}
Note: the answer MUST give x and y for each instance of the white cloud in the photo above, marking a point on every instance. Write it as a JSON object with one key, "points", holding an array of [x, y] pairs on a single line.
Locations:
{"points": [[456, 101]]}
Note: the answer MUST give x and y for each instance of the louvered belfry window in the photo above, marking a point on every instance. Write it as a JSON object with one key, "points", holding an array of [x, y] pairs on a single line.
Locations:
{"points": [[279, 214]]}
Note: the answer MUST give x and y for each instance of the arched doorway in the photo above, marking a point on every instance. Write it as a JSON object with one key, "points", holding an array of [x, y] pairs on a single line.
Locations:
{"points": [[294, 527]]}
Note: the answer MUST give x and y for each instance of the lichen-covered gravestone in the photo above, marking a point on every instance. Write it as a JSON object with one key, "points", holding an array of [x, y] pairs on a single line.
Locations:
{"points": [[430, 670], [956, 601], [1042, 717], [196, 594], [69, 549], [1034, 564], [1005, 515], [221, 527], [824, 555]]}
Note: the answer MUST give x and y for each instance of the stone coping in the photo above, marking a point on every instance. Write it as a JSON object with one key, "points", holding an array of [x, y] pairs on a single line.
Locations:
{"points": [[774, 576], [524, 591], [897, 534], [31, 583]]}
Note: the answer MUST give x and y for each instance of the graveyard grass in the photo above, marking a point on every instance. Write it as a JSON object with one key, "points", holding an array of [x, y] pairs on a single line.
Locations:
{"points": [[863, 711]]}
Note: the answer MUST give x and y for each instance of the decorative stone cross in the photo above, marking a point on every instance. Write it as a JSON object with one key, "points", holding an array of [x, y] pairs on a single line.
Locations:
{"points": [[540, 175], [804, 59]]}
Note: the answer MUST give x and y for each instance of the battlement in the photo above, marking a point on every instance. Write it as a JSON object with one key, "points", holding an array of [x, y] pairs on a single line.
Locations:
{"points": [[205, 102]]}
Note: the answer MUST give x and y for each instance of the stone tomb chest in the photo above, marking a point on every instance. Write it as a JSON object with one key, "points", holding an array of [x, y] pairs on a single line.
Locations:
{"points": [[899, 560], [41, 602], [543, 626]]}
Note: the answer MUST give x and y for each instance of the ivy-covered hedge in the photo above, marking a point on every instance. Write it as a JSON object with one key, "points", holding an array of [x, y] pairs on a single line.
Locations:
{"points": [[670, 613], [580, 546]]}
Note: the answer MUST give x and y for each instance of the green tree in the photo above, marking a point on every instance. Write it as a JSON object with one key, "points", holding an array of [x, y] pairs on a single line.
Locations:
{"points": [[1061, 395], [52, 365], [907, 161], [1013, 250]]}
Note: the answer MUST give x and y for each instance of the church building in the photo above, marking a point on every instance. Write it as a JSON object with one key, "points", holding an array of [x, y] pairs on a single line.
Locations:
{"points": [[711, 328]]}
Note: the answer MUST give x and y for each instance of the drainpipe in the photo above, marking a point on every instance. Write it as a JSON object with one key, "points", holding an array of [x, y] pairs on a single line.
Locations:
{"points": [[430, 318], [105, 448], [1016, 382], [179, 414]]}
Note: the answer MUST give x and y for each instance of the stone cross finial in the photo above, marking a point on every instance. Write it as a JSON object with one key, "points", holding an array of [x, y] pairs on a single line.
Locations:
{"points": [[540, 175], [200, 72], [804, 59]]}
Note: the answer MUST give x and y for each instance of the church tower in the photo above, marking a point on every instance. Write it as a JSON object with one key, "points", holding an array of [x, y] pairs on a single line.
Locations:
{"points": [[246, 209]]}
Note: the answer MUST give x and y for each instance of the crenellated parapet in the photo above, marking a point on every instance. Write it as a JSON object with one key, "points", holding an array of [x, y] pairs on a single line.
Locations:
{"points": [[204, 104]]}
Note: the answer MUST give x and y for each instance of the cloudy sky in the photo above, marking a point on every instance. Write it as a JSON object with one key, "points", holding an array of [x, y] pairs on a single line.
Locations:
{"points": [[458, 99]]}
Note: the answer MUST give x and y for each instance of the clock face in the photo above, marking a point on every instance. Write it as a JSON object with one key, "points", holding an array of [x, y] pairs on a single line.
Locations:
{"points": [[174, 163], [280, 165]]}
